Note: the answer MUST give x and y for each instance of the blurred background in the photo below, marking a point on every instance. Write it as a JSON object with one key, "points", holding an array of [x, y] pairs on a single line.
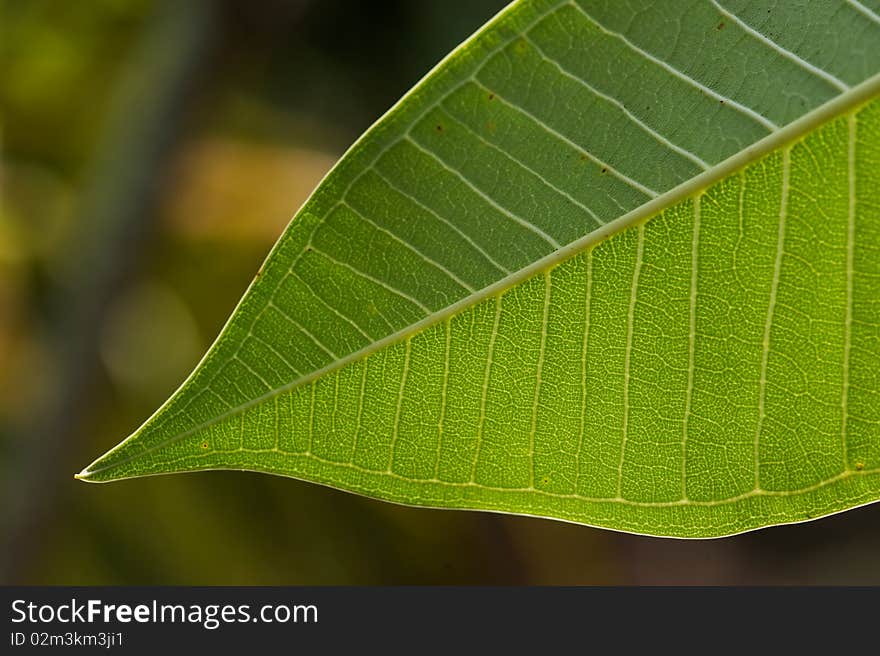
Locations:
{"points": [[151, 152]]}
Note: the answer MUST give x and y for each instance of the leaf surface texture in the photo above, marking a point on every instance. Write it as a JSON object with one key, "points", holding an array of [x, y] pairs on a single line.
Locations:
{"points": [[614, 263]]}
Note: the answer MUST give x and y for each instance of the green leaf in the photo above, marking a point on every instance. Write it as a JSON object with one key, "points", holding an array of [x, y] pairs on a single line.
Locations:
{"points": [[613, 263]]}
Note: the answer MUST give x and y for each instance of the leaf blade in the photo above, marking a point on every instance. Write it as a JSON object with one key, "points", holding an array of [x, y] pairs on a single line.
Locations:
{"points": [[402, 304]]}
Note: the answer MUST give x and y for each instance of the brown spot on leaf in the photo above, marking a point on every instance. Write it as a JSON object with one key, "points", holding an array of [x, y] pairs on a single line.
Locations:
{"points": [[860, 466], [720, 26], [439, 128]]}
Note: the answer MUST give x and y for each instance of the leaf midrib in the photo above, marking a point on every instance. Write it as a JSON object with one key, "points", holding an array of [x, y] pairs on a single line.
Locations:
{"points": [[784, 136]]}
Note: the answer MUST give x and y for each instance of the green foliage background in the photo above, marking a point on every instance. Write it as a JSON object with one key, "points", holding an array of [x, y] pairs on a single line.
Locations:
{"points": [[276, 93]]}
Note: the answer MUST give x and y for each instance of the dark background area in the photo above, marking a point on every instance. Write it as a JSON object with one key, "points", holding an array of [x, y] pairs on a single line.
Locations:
{"points": [[152, 152]]}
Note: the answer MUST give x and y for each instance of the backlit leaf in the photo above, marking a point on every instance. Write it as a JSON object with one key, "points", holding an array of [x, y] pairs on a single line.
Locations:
{"points": [[614, 263]]}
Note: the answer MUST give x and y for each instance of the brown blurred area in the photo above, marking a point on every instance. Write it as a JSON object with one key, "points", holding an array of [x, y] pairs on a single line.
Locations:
{"points": [[151, 151]]}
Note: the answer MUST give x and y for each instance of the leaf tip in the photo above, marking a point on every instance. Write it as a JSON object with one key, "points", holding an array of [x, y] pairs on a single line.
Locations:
{"points": [[84, 475], [91, 473]]}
